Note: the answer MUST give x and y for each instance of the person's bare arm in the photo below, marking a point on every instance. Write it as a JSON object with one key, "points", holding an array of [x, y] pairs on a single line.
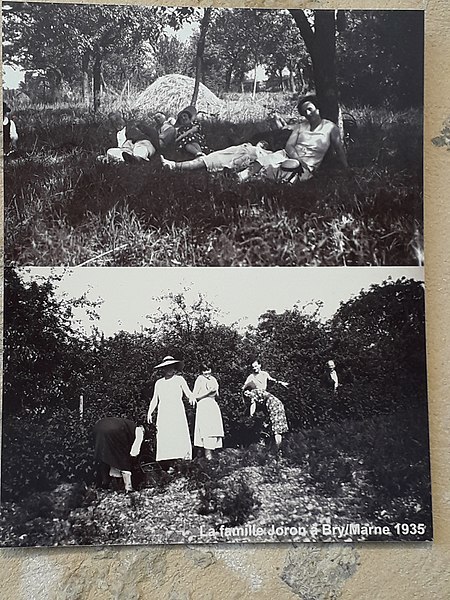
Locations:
{"points": [[187, 392], [338, 146], [138, 439], [153, 404], [283, 383], [291, 144], [193, 129]]}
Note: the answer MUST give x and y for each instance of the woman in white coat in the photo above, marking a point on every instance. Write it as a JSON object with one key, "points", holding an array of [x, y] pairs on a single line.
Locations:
{"points": [[172, 432]]}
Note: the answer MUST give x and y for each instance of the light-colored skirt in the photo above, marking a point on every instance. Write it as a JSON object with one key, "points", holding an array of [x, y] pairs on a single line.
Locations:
{"points": [[172, 434], [208, 431]]}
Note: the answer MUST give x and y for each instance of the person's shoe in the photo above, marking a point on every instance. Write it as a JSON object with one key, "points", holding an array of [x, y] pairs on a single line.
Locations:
{"points": [[132, 159], [168, 164]]}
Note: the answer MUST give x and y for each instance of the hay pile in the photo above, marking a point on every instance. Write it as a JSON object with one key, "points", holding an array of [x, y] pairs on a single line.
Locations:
{"points": [[171, 93]]}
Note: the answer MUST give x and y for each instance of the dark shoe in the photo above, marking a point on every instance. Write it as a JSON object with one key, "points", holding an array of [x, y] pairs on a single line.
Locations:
{"points": [[131, 159]]}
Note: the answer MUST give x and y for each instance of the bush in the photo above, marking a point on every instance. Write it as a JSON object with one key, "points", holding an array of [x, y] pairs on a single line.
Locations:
{"points": [[231, 498]]}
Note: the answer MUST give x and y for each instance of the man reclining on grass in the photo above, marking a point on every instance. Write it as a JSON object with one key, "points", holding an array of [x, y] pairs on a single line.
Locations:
{"points": [[136, 141], [304, 153]]}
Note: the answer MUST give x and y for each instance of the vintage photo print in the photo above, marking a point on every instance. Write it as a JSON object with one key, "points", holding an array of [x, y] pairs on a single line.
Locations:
{"points": [[144, 135], [164, 406]]}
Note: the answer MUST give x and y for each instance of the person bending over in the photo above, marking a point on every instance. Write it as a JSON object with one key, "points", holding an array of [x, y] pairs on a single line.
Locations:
{"points": [[117, 442]]}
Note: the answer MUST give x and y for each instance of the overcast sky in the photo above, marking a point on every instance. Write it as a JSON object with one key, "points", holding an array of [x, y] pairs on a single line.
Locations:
{"points": [[241, 294]]}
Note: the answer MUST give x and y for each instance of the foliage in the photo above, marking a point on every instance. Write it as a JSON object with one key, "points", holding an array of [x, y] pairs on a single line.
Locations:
{"points": [[390, 45], [76, 39], [371, 471], [379, 54], [41, 350], [115, 376], [232, 499]]}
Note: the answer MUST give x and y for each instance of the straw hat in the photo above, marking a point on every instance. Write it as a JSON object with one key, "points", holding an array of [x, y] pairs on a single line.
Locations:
{"points": [[167, 361]]}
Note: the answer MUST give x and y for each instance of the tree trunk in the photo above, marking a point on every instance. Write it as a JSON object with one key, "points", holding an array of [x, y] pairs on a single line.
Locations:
{"points": [[292, 84], [97, 71], [321, 45], [85, 76], [199, 55], [228, 76], [254, 82], [301, 79], [324, 64]]}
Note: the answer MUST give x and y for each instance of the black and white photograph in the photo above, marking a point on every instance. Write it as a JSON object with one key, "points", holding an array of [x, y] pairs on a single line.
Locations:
{"points": [[210, 405], [158, 136]]}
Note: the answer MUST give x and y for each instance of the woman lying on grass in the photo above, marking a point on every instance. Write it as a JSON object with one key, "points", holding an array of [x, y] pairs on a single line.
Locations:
{"points": [[304, 153]]}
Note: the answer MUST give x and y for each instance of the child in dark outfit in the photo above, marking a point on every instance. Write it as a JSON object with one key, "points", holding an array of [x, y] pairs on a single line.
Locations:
{"points": [[190, 137]]}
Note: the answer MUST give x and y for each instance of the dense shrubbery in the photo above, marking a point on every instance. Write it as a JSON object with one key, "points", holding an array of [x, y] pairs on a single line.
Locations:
{"points": [[377, 340], [374, 470]]}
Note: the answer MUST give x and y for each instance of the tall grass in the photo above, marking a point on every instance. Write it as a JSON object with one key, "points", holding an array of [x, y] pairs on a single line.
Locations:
{"points": [[61, 207]]}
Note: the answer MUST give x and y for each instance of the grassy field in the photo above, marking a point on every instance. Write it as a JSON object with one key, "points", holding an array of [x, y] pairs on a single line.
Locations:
{"points": [[64, 208]]}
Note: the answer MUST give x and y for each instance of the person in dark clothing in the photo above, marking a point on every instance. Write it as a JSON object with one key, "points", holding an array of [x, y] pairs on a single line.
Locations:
{"points": [[330, 377], [190, 137], [329, 397], [136, 141], [117, 445]]}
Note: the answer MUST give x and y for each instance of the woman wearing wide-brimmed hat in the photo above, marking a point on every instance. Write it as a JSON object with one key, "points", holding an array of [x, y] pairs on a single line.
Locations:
{"points": [[190, 137], [172, 432]]}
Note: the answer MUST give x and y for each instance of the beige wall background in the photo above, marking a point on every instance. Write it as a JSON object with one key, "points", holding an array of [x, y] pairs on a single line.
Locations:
{"points": [[309, 571]]}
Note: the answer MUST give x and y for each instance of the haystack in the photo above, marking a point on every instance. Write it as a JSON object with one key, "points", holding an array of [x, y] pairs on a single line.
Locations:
{"points": [[171, 93]]}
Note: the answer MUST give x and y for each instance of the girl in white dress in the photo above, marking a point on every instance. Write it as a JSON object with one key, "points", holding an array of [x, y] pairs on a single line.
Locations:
{"points": [[172, 432], [208, 432]]}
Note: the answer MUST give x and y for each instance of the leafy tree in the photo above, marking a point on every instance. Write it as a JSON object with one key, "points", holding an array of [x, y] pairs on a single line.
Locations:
{"points": [[172, 56], [226, 44], [40, 346], [380, 343], [380, 58], [73, 39], [286, 50]]}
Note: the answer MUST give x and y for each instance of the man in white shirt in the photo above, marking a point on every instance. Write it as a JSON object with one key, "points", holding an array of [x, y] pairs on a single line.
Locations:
{"points": [[332, 376]]}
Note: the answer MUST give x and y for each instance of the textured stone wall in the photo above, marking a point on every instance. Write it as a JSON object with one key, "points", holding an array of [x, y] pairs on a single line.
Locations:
{"points": [[306, 572]]}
